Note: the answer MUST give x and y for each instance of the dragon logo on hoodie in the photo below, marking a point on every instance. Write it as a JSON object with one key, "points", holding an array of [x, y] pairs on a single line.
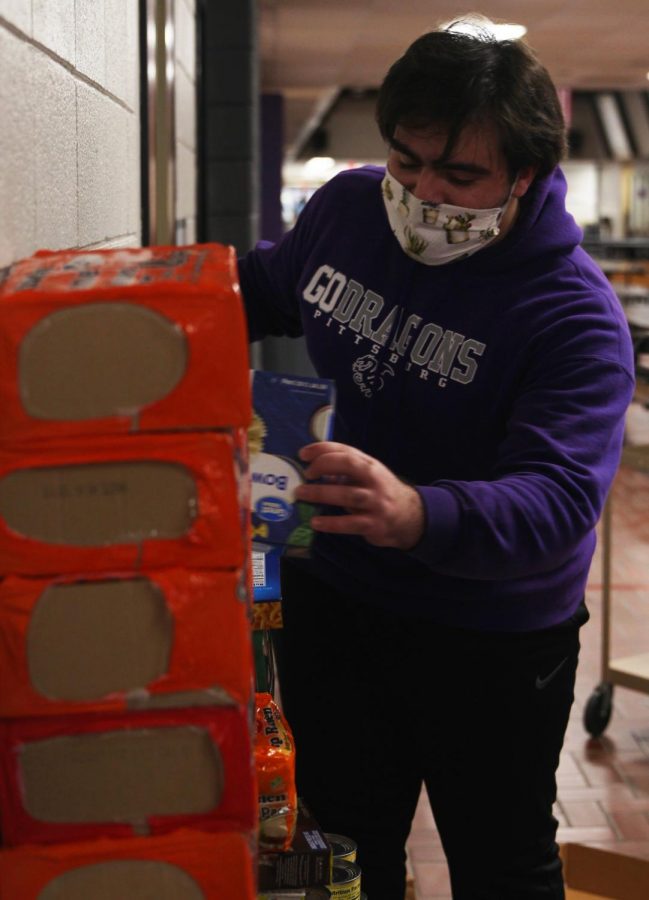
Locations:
{"points": [[367, 374]]}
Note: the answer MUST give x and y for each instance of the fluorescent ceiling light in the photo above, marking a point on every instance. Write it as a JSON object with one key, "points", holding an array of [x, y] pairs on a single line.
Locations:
{"points": [[479, 26], [613, 126], [509, 31], [319, 165], [637, 117]]}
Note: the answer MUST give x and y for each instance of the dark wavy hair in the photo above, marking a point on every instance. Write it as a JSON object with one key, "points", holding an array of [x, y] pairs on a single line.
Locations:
{"points": [[455, 79]]}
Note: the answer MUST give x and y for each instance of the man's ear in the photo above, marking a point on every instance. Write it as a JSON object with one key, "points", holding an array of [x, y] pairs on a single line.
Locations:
{"points": [[524, 179]]}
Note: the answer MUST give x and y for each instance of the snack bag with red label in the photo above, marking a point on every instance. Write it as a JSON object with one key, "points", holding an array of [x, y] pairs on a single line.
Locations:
{"points": [[275, 765]]}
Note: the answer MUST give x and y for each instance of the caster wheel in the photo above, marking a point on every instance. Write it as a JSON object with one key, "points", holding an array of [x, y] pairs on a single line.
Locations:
{"points": [[598, 709]]}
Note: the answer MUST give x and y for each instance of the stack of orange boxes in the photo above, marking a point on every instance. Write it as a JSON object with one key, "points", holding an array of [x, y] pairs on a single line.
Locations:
{"points": [[126, 666]]}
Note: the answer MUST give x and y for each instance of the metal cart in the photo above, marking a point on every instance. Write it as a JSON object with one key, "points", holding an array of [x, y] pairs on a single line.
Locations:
{"points": [[631, 671]]}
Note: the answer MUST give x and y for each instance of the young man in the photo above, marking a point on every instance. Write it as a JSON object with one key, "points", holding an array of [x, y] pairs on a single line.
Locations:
{"points": [[483, 368]]}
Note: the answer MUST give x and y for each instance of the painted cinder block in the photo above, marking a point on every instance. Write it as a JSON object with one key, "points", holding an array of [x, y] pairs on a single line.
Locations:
{"points": [[18, 13], [121, 30], [132, 182], [17, 172], [55, 152], [54, 26], [90, 40], [104, 167]]}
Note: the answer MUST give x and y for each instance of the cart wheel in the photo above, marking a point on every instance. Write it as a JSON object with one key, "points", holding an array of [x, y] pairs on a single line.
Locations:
{"points": [[597, 713]]}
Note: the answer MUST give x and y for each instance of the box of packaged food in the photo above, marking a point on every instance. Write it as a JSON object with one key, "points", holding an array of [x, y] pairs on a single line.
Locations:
{"points": [[114, 504], [123, 642], [182, 865], [75, 778], [307, 862], [288, 413], [122, 340], [265, 571]]}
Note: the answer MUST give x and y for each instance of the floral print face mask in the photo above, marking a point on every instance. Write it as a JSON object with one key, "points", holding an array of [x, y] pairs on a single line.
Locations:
{"points": [[437, 233]]}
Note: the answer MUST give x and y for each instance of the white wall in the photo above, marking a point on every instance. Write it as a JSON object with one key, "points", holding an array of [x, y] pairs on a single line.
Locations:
{"points": [[185, 120], [582, 199], [638, 187], [69, 132], [612, 204]]}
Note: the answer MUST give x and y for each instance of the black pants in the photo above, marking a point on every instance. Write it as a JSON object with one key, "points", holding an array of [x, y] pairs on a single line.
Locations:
{"points": [[380, 704]]}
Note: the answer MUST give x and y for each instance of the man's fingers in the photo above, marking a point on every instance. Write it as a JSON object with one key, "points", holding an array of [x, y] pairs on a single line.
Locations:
{"points": [[353, 467], [353, 524], [311, 451], [347, 496]]}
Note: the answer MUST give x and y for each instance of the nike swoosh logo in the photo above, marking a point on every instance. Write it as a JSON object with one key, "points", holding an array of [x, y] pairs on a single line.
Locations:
{"points": [[544, 682]]}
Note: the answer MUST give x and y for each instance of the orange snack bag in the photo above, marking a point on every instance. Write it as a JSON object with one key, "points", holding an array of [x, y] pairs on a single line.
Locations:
{"points": [[275, 765]]}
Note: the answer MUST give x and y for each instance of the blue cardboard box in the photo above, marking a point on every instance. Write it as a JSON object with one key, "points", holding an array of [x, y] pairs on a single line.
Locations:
{"points": [[288, 413], [265, 572]]}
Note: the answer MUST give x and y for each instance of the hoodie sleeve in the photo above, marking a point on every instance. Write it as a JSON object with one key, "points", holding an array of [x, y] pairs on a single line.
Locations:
{"points": [[268, 290], [553, 472], [269, 275]]}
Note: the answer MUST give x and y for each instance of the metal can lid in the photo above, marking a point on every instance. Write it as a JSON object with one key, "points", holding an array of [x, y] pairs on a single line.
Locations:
{"points": [[341, 845], [344, 871]]}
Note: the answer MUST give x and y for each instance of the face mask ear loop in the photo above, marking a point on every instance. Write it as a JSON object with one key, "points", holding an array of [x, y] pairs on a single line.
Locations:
{"points": [[510, 196], [506, 203]]}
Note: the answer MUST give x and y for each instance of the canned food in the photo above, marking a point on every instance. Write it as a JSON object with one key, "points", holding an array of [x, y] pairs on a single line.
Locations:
{"points": [[308, 893], [342, 847], [345, 881]]}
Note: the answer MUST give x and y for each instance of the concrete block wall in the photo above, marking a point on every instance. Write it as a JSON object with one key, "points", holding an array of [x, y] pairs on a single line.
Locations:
{"points": [[70, 125]]}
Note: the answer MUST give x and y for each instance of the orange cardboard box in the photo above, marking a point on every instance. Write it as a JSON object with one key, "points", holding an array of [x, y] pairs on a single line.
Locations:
{"points": [[122, 504], [122, 340], [594, 873], [184, 865], [110, 643], [75, 778]]}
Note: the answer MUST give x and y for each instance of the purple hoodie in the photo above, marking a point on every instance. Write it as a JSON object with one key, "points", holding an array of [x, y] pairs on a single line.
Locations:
{"points": [[497, 385]]}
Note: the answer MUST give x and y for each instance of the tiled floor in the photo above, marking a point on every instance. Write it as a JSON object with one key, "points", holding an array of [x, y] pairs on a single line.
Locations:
{"points": [[603, 784]]}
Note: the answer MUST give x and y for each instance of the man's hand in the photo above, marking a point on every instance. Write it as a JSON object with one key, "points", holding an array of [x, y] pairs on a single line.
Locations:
{"points": [[381, 508]]}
